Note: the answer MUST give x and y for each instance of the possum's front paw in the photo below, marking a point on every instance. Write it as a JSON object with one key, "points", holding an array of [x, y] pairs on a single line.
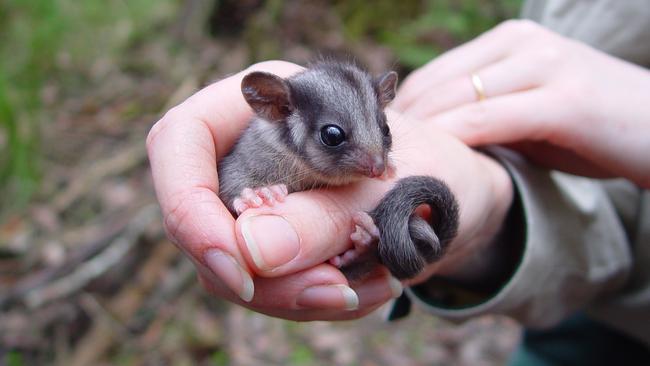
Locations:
{"points": [[253, 198], [365, 234]]}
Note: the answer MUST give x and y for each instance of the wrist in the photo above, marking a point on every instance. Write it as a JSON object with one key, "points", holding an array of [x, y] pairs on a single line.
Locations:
{"points": [[501, 195]]}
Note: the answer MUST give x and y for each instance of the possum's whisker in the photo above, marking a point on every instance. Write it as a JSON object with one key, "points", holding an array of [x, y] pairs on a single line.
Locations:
{"points": [[299, 176]]}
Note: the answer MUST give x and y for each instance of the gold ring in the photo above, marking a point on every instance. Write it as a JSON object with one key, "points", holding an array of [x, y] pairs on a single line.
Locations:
{"points": [[478, 87]]}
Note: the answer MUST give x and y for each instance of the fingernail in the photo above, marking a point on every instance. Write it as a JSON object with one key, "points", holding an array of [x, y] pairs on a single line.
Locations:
{"points": [[230, 272], [328, 297], [271, 240], [396, 287]]}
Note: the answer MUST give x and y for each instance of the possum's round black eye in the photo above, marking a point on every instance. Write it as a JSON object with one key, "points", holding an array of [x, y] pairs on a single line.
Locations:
{"points": [[332, 135]]}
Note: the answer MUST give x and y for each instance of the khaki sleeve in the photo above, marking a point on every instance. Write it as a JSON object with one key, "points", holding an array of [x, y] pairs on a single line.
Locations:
{"points": [[574, 250], [618, 27], [628, 310]]}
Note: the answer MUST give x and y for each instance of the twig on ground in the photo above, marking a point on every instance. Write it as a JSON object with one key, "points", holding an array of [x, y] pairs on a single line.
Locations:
{"points": [[101, 234], [124, 305], [124, 160], [96, 266]]}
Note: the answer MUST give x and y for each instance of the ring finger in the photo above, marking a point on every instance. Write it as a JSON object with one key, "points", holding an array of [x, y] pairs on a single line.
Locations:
{"points": [[510, 75]]}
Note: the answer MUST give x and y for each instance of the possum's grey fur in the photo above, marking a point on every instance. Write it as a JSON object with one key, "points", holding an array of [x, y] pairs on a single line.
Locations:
{"points": [[408, 242], [288, 151]]}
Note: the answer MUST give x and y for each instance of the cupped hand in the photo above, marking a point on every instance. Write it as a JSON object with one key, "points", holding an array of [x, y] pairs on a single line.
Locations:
{"points": [[274, 260], [561, 103], [184, 147]]}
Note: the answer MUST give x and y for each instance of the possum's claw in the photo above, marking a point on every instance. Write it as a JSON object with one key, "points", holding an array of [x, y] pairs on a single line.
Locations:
{"points": [[365, 234], [253, 198], [364, 221]]}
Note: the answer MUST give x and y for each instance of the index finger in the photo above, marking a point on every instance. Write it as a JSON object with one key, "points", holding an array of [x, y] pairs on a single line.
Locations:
{"points": [[183, 148]]}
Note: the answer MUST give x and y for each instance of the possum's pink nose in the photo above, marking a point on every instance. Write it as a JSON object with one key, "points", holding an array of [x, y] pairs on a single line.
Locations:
{"points": [[375, 166]]}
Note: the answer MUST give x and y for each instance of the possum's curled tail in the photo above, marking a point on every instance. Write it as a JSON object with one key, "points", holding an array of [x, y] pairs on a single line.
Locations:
{"points": [[407, 241]]}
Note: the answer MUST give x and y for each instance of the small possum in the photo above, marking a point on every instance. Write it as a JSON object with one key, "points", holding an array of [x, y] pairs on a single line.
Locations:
{"points": [[323, 127]]}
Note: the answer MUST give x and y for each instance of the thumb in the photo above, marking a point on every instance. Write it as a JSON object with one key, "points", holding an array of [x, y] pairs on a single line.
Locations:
{"points": [[503, 119], [307, 229]]}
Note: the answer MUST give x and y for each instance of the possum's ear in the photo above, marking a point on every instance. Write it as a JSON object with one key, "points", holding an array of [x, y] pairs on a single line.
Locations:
{"points": [[268, 95], [386, 86]]}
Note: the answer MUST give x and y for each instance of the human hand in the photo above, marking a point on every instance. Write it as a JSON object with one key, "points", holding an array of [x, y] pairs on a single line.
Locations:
{"points": [[289, 277], [561, 103], [184, 147]]}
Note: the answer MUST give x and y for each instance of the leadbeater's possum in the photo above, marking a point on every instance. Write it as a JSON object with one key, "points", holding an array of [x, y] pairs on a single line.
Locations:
{"points": [[326, 126]]}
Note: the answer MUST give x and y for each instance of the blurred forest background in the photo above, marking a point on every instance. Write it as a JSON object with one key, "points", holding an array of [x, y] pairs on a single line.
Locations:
{"points": [[86, 274]]}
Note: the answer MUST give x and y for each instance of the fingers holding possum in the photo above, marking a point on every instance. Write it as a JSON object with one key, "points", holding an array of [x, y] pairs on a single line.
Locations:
{"points": [[307, 229], [313, 227]]}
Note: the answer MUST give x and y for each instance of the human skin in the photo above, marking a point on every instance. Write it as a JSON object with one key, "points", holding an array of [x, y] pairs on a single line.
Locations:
{"points": [[289, 276], [561, 103]]}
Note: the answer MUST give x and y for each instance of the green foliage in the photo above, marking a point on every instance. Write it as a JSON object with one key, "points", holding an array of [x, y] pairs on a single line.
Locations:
{"points": [[13, 358], [260, 42], [26, 51], [219, 358], [55, 43], [301, 355]]}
